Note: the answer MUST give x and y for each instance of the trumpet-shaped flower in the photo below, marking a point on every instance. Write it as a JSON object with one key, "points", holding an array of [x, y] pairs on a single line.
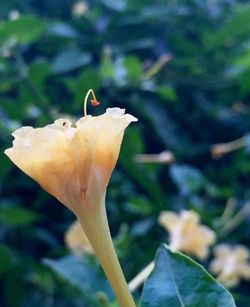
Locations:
{"points": [[231, 264], [76, 240], [186, 233], [74, 162]]}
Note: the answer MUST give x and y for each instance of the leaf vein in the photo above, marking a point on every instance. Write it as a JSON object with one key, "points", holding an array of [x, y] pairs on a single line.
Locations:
{"points": [[174, 283]]}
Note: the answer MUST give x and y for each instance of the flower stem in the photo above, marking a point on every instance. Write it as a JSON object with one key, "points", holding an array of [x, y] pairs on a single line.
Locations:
{"points": [[139, 279], [95, 225]]}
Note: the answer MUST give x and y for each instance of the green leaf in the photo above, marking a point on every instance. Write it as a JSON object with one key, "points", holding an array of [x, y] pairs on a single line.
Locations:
{"points": [[39, 71], [69, 60], [15, 215], [61, 29], [80, 274], [169, 132], [117, 5], [167, 93], [32, 95], [245, 83], [188, 179], [23, 30], [89, 78], [133, 68], [237, 27], [7, 259], [133, 144], [107, 69], [243, 60], [178, 281]]}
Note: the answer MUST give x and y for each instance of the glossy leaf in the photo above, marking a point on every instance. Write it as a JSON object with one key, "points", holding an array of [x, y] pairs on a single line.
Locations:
{"points": [[16, 215], [235, 28], [79, 273], [69, 60], [178, 281], [25, 29]]}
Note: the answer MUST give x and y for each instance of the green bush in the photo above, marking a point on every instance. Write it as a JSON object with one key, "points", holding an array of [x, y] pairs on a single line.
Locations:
{"points": [[182, 68]]}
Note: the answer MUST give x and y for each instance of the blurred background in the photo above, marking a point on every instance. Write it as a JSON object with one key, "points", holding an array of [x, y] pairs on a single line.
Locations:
{"points": [[182, 68]]}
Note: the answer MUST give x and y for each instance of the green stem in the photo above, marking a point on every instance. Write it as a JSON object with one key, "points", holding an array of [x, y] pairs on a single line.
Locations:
{"points": [[157, 66], [235, 221], [94, 222]]}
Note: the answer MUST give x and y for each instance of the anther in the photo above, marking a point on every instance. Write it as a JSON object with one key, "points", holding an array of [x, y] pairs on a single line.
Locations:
{"points": [[94, 102]]}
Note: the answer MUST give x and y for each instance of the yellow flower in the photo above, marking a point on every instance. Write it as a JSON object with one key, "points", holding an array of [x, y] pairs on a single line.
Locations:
{"points": [[231, 264], [186, 233], [76, 240], [74, 163]]}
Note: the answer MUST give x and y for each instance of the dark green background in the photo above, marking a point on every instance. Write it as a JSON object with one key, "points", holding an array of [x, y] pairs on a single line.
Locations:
{"points": [[49, 59]]}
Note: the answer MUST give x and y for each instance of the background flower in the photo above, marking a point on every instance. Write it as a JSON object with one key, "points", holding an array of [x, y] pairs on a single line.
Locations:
{"points": [[186, 233], [231, 264], [77, 241]]}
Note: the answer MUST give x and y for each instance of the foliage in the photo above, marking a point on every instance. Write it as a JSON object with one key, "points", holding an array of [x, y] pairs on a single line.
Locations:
{"points": [[50, 57], [174, 282]]}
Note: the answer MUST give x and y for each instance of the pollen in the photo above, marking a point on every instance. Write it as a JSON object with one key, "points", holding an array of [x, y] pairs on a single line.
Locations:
{"points": [[94, 102]]}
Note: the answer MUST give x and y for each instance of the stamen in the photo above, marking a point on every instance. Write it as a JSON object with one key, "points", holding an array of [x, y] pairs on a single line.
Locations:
{"points": [[94, 101]]}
